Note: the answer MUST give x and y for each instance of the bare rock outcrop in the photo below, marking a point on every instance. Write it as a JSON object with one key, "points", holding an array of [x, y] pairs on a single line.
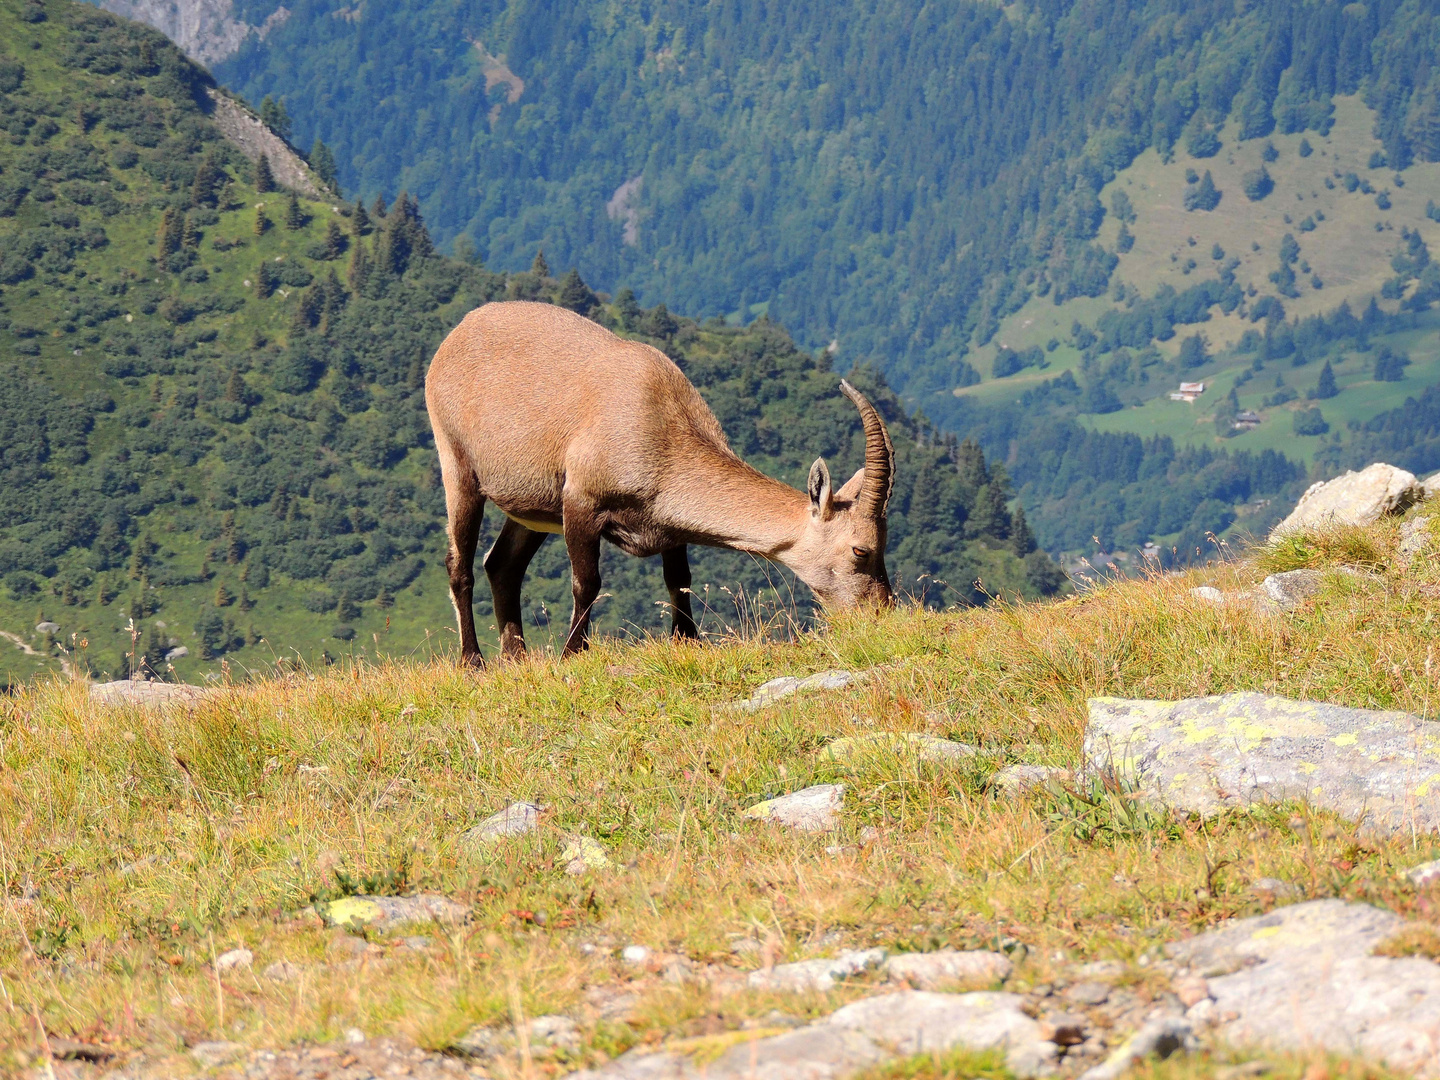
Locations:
{"points": [[249, 133], [207, 30], [1357, 498]]}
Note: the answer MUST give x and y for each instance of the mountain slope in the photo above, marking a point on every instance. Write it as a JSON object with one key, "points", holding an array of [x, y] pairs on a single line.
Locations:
{"points": [[211, 409]]}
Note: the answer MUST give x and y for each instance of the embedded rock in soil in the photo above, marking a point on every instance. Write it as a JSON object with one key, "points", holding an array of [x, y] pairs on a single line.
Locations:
{"points": [[1424, 875], [152, 694], [1415, 537], [1293, 587], [770, 692], [1205, 754], [1017, 778], [387, 912], [1305, 976], [908, 745], [812, 809], [1357, 498], [1208, 592], [235, 958], [517, 819], [1432, 487], [583, 855], [211, 1054], [861, 1034], [948, 967], [1159, 1038], [816, 974]]}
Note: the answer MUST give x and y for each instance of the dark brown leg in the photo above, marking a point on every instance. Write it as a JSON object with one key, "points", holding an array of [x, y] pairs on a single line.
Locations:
{"points": [[582, 543], [505, 565], [464, 505], [676, 564]]}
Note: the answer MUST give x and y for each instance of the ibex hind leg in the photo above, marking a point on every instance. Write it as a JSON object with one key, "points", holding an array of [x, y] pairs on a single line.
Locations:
{"points": [[582, 544], [505, 566], [464, 506], [676, 564]]}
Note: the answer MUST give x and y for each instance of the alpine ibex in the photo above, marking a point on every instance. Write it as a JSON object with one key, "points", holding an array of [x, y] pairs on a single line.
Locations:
{"points": [[572, 430]]}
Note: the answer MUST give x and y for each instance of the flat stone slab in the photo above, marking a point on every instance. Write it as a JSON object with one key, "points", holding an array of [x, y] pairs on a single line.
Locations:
{"points": [[517, 819], [1303, 977], [386, 912], [151, 694], [906, 745], [859, 1035], [1203, 755], [1357, 498], [819, 974], [1292, 588], [1014, 779], [1416, 536], [768, 693], [948, 968], [812, 809]]}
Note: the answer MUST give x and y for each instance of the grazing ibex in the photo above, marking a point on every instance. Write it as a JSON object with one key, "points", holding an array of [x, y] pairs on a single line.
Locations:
{"points": [[570, 429]]}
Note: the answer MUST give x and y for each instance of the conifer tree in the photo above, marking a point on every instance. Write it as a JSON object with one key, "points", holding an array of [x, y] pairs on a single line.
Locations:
{"points": [[377, 208], [359, 219], [575, 294], [540, 268], [1326, 386], [323, 162], [172, 227], [235, 387], [265, 281], [222, 596], [628, 309], [1022, 540], [334, 240], [264, 178], [275, 116], [294, 215], [190, 234], [262, 223], [207, 177]]}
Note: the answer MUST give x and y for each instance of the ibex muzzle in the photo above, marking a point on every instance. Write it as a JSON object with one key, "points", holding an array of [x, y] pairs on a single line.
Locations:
{"points": [[572, 430]]}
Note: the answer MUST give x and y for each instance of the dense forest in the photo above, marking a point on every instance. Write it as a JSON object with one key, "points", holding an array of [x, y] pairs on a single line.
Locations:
{"points": [[896, 177], [212, 422]]}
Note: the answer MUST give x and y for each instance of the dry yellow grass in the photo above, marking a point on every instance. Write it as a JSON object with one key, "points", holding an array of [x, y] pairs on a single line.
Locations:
{"points": [[135, 846]]}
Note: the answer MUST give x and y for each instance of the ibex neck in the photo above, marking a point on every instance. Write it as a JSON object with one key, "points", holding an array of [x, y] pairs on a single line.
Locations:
{"points": [[729, 504]]}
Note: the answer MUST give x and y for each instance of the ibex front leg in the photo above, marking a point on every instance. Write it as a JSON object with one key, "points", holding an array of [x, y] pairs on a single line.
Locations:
{"points": [[582, 542], [676, 564]]}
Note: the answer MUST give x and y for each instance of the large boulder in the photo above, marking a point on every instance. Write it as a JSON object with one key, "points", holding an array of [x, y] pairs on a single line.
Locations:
{"points": [[1206, 754], [1307, 977], [1357, 498]]}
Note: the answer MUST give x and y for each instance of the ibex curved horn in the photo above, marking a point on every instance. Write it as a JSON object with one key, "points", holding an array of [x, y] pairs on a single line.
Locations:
{"points": [[879, 479]]}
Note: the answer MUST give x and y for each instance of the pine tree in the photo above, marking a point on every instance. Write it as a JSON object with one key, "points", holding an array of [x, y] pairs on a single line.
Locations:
{"points": [[265, 281], [190, 234], [1325, 386], [222, 596], [628, 309], [377, 208], [323, 162], [275, 116], [383, 600], [207, 177], [540, 268], [262, 223], [294, 215], [334, 240], [358, 274], [991, 518], [264, 178], [171, 233], [359, 219], [1022, 540], [235, 390], [575, 294]]}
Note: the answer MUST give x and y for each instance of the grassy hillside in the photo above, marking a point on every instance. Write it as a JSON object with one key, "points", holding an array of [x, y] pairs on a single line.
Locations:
{"points": [[168, 838], [211, 399]]}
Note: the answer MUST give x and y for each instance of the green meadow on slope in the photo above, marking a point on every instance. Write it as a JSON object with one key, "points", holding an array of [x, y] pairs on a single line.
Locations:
{"points": [[212, 409]]}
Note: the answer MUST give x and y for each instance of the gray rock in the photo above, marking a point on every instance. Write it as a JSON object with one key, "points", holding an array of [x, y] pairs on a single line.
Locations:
{"points": [[1290, 589], [235, 958], [555, 1032], [1159, 1038], [1014, 779], [176, 653], [770, 692], [906, 745], [1280, 890], [816, 974], [1208, 592], [1357, 498], [517, 819], [583, 855], [861, 1034], [635, 954], [1205, 754], [1063, 1028], [551, 1032], [948, 967], [211, 1054], [1414, 536], [812, 809], [1088, 993], [149, 694], [46, 627], [387, 912], [1304, 977], [1424, 875], [1432, 487], [281, 971]]}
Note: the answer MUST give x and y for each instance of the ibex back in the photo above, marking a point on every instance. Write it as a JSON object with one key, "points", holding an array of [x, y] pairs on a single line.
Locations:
{"points": [[572, 430]]}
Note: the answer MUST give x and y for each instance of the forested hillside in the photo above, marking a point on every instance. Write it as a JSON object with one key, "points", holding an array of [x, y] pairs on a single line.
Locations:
{"points": [[211, 395]]}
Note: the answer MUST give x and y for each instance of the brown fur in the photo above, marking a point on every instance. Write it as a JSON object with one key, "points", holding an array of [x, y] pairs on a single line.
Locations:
{"points": [[570, 429]]}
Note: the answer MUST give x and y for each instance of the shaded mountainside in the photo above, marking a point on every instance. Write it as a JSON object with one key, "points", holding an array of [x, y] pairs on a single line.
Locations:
{"points": [[211, 394]]}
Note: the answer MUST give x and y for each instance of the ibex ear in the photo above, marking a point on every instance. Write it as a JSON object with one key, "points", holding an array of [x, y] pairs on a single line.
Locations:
{"points": [[822, 505], [850, 490]]}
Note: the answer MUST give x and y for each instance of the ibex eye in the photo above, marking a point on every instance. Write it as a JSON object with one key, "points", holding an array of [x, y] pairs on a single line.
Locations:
{"points": [[860, 553]]}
